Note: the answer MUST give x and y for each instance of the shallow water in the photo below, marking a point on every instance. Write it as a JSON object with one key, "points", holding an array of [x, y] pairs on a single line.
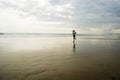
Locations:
{"points": [[59, 58]]}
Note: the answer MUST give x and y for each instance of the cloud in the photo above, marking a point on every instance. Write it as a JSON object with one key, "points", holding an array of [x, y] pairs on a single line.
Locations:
{"points": [[87, 14], [42, 9], [116, 31]]}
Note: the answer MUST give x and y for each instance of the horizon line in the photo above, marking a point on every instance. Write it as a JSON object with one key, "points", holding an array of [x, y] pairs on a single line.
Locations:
{"points": [[29, 33]]}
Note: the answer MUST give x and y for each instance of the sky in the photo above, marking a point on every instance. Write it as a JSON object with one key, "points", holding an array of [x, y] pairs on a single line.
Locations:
{"points": [[60, 16]]}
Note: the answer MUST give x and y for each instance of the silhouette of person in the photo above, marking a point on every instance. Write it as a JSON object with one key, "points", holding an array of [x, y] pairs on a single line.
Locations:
{"points": [[74, 34]]}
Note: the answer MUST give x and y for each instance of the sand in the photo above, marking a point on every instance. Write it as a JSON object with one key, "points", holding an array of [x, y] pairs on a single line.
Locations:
{"points": [[59, 58]]}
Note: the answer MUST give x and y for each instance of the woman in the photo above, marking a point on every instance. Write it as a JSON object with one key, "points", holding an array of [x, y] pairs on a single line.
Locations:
{"points": [[74, 34]]}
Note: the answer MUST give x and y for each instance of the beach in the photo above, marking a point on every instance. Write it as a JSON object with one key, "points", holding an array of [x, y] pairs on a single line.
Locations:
{"points": [[59, 58]]}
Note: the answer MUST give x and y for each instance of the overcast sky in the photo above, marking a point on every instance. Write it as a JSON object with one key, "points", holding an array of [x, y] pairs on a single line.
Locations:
{"points": [[44, 16]]}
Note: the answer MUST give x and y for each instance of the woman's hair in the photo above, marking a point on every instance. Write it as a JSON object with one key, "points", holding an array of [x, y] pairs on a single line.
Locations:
{"points": [[73, 30]]}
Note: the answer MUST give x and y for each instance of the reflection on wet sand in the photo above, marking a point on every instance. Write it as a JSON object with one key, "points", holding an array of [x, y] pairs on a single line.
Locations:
{"points": [[74, 45]]}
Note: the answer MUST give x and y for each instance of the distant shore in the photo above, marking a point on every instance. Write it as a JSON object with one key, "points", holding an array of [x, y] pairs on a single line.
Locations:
{"points": [[1, 33], [57, 34], [79, 36]]}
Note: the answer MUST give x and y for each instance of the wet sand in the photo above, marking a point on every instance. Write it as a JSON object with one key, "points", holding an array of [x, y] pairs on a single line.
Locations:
{"points": [[59, 58]]}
